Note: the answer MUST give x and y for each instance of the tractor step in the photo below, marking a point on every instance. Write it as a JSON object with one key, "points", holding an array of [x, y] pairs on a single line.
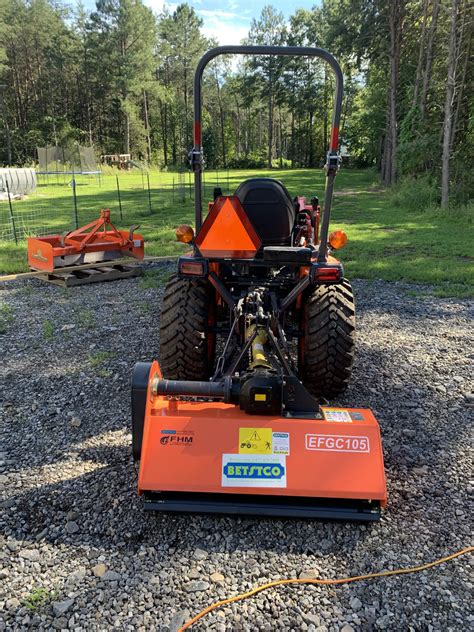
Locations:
{"points": [[71, 277]]}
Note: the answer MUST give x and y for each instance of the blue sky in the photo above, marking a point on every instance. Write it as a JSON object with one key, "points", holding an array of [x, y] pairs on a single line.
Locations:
{"points": [[228, 21]]}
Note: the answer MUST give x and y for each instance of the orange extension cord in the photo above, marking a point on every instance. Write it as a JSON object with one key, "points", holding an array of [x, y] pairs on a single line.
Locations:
{"points": [[323, 582]]}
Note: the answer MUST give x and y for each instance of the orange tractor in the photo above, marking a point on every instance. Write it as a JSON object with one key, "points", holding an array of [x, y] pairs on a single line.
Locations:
{"points": [[257, 327]]}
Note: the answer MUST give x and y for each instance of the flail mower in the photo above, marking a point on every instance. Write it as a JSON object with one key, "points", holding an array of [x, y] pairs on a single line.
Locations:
{"points": [[257, 327]]}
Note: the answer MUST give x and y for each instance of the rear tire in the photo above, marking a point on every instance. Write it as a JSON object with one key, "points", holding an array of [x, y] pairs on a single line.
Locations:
{"points": [[187, 349], [326, 352]]}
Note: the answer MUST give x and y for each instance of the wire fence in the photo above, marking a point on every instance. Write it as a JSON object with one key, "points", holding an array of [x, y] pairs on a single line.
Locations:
{"points": [[58, 207]]}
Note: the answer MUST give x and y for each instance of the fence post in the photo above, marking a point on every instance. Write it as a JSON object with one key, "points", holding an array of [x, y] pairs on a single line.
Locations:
{"points": [[149, 193], [12, 217], [74, 201], [119, 198]]}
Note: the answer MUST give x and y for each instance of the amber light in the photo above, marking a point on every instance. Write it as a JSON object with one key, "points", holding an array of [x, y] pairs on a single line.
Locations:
{"points": [[338, 239], [185, 234]]}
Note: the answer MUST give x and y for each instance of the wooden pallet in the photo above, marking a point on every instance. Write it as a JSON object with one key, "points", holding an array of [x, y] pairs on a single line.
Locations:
{"points": [[71, 277]]}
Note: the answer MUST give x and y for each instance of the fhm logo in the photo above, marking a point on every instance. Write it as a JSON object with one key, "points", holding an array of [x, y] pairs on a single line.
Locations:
{"points": [[265, 471], [176, 440]]}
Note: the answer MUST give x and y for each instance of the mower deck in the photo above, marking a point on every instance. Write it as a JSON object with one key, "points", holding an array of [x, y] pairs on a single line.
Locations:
{"points": [[211, 457]]}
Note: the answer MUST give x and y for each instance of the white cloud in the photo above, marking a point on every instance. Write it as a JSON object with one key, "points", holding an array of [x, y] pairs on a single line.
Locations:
{"points": [[156, 5], [226, 15], [225, 32], [227, 27]]}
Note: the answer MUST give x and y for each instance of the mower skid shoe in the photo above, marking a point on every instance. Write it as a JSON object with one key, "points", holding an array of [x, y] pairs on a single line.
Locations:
{"points": [[207, 456]]}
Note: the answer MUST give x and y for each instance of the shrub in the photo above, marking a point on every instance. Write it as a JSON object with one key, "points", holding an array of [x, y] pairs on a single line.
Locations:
{"points": [[415, 193]]}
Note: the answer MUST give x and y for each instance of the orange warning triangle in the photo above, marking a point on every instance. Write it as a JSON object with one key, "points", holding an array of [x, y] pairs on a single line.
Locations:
{"points": [[227, 231]]}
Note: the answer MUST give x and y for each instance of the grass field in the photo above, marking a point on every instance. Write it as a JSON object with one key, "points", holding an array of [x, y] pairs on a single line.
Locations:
{"points": [[386, 240]]}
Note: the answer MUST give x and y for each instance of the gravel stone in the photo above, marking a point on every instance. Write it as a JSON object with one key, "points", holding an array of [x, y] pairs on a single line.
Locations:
{"points": [[311, 619], [356, 603], [110, 576], [72, 527], [99, 569], [32, 555], [178, 619], [196, 586], [217, 577], [61, 607], [410, 347], [60, 624], [312, 573], [200, 554]]}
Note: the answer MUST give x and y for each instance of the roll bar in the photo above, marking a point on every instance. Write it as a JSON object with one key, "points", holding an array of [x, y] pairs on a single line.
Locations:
{"points": [[332, 156]]}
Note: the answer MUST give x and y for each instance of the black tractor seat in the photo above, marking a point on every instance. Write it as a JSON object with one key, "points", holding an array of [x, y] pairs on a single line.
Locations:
{"points": [[269, 207]]}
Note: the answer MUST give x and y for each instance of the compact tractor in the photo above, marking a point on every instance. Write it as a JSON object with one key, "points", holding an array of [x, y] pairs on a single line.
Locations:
{"points": [[257, 329]]}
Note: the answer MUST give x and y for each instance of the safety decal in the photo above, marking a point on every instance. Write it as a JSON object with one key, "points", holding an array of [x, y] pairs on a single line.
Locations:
{"points": [[253, 470], [255, 441], [281, 443], [336, 414], [337, 443]]}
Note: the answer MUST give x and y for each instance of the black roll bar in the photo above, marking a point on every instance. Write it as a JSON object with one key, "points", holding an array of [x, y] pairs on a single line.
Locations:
{"points": [[332, 156]]}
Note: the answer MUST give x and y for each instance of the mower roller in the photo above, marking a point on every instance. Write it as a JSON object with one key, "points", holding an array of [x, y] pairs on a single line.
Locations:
{"points": [[257, 328], [97, 241]]}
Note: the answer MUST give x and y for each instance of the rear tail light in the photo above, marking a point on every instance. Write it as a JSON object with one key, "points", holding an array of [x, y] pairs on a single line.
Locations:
{"points": [[326, 274], [192, 268]]}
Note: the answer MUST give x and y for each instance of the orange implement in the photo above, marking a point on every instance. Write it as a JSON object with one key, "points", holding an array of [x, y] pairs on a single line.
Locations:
{"points": [[210, 456], [97, 241]]}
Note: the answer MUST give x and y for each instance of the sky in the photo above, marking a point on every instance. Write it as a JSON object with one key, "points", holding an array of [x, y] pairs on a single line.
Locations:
{"points": [[228, 21]]}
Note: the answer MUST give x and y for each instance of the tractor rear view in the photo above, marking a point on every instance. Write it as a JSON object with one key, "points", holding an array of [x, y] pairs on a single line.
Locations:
{"points": [[257, 327]]}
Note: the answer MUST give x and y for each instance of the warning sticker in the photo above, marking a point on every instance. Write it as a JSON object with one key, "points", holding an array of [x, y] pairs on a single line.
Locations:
{"points": [[281, 443], [336, 414], [253, 470], [255, 441]]}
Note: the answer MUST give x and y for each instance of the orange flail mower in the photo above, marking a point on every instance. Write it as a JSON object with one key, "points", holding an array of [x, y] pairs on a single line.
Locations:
{"points": [[97, 241], [257, 329]]}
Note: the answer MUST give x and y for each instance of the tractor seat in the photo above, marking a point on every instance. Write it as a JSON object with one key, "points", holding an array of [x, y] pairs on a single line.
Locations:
{"points": [[269, 207]]}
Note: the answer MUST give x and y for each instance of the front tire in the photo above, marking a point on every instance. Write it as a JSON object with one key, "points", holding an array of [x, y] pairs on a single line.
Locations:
{"points": [[326, 351], [187, 348]]}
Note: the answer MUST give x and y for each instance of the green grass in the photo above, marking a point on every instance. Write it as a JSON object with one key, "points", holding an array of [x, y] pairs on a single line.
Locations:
{"points": [[38, 597], [6, 317], [85, 318], [48, 330], [153, 278], [387, 239], [98, 358]]}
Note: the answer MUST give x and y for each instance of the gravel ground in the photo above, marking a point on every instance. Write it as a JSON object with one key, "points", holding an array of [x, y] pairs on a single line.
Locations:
{"points": [[78, 551]]}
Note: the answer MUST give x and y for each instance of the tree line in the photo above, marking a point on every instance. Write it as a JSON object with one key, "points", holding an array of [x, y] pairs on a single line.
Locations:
{"points": [[120, 77]]}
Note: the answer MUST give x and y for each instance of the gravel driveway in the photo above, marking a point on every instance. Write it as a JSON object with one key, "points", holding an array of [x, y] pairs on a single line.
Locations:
{"points": [[80, 553]]}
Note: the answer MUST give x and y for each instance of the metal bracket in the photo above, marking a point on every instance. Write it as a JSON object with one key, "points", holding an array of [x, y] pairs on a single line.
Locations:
{"points": [[333, 162], [196, 159]]}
